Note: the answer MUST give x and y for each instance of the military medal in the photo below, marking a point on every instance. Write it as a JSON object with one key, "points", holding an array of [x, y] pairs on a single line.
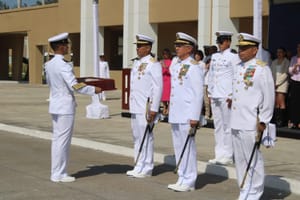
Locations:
{"points": [[183, 70], [141, 69], [248, 76]]}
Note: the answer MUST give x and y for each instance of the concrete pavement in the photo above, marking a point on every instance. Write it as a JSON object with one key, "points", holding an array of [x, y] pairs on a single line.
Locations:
{"points": [[24, 110], [25, 164]]}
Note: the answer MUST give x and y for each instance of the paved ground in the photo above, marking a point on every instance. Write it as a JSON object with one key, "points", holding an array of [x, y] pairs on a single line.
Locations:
{"points": [[24, 110], [25, 175]]}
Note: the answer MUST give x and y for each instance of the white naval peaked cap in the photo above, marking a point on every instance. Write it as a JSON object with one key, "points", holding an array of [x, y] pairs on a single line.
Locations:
{"points": [[143, 39], [224, 33], [60, 38], [246, 39], [183, 38]]}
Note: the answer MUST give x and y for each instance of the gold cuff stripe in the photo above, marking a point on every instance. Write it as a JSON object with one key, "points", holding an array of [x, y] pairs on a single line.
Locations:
{"points": [[79, 86]]}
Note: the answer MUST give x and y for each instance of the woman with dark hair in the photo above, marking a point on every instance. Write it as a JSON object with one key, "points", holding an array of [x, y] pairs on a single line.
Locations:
{"points": [[165, 63], [279, 69]]}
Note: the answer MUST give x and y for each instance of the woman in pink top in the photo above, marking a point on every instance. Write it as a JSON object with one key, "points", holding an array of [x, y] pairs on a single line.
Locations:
{"points": [[165, 63], [294, 96]]}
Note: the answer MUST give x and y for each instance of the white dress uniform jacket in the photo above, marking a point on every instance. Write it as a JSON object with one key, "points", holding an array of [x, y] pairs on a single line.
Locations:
{"points": [[61, 79], [186, 90], [186, 100], [221, 73], [253, 90], [253, 96], [145, 81]]}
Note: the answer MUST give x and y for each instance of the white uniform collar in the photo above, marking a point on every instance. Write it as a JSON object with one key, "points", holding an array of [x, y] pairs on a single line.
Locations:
{"points": [[145, 58], [249, 62], [225, 51], [185, 60], [59, 55]]}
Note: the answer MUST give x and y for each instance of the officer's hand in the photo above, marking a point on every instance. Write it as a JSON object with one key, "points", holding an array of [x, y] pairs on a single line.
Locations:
{"points": [[194, 123], [151, 116], [98, 90], [229, 102], [261, 127]]}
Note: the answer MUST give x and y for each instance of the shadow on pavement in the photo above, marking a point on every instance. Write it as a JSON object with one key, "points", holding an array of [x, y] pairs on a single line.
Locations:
{"points": [[206, 179], [108, 169], [271, 193], [162, 168]]}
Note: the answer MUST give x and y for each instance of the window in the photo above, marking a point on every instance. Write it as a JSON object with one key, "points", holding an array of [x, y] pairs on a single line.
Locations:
{"points": [[11, 4], [8, 4], [51, 1], [28, 3]]}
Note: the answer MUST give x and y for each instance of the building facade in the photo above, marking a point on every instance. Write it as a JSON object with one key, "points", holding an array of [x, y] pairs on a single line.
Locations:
{"points": [[26, 26]]}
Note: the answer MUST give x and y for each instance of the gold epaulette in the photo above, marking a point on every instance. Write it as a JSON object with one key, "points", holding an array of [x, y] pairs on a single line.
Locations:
{"points": [[79, 86], [67, 61], [261, 63], [194, 62], [152, 59]]}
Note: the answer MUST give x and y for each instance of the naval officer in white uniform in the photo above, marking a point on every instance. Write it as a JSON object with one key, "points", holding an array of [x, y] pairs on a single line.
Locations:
{"points": [[252, 109], [62, 84], [186, 100], [220, 92], [104, 72], [145, 82]]}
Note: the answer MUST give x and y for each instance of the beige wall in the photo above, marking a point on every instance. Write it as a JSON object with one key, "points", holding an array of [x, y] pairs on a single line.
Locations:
{"points": [[42, 22], [111, 12], [39, 23], [172, 10], [244, 8]]}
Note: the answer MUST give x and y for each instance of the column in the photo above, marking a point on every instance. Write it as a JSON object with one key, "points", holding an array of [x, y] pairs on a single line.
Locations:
{"points": [[221, 20], [136, 20], [204, 23], [86, 39]]}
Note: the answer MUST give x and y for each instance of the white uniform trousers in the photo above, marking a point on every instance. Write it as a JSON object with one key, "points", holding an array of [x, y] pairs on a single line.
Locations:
{"points": [[102, 96], [223, 137], [187, 171], [145, 163], [61, 140], [243, 142]]}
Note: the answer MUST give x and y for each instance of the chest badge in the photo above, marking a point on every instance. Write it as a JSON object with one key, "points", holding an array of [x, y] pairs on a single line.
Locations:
{"points": [[141, 70], [183, 70], [248, 76]]}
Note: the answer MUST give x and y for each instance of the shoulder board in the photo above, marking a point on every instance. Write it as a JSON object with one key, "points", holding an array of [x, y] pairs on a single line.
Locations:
{"points": [[78, 86], [260, 63], [152, 59], [66, 60], [194, 62]]}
